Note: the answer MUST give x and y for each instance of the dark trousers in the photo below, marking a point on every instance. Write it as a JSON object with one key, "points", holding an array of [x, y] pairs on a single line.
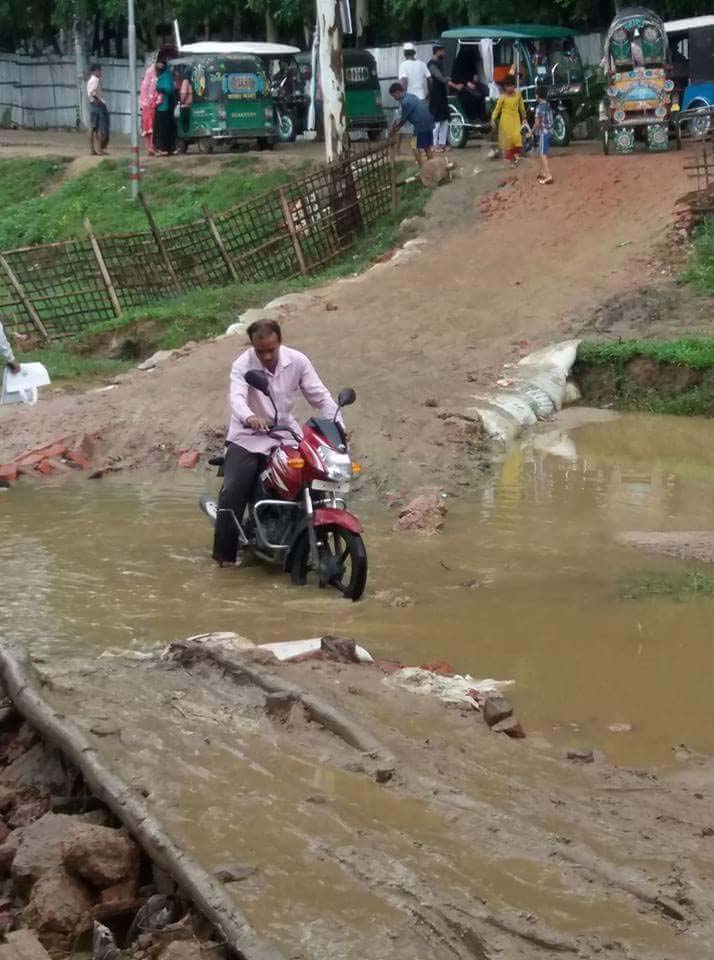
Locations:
{"points": [[240, 476]]}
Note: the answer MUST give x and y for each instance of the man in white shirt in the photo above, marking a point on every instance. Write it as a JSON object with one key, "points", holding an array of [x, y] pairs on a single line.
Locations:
{"points": [[98, 113], [413, 73]]}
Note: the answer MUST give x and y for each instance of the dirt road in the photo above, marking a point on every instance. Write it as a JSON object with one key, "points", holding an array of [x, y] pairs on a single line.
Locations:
{"points": [[504, 279], [476, 847]]}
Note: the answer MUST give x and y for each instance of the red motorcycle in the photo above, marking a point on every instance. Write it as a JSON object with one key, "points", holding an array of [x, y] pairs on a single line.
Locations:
{"points": [[298, 517]]}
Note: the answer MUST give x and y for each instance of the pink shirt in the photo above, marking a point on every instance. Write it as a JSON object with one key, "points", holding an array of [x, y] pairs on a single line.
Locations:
{"points": [[293, 375]]}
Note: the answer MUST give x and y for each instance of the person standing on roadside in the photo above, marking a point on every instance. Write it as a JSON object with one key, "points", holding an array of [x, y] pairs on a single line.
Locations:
{"points": [[543, 130], [98, 112], [6, 351], [414, 78], [439, 86], [164, 120], [413, 73]]}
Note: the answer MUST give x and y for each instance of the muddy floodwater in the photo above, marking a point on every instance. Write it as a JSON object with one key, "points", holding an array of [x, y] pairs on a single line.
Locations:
{"points": [[526, 582]]}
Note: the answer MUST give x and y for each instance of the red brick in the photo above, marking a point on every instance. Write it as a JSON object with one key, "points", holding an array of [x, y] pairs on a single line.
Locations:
{"points": [[441, 667], [77, 459], [44, 467], [8, 471], [33, 457], [189, 459]]}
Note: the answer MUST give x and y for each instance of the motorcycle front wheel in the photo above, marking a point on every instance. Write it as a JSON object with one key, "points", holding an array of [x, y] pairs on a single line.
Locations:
{"points": [[343, 556]]}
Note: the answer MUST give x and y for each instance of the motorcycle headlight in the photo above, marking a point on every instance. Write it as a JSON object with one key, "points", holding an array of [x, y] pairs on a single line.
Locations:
{"points": [[339, 465]]}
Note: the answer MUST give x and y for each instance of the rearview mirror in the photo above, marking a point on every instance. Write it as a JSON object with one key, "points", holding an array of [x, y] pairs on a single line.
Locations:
{"points": [[346, 397], [258, 379]]}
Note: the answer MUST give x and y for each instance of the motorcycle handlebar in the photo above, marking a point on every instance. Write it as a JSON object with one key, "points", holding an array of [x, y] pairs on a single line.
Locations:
{"points": [[280, 428]]}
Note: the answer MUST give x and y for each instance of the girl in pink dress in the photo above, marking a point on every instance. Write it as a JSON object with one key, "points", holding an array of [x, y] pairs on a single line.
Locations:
{"points": [[147, 102]]}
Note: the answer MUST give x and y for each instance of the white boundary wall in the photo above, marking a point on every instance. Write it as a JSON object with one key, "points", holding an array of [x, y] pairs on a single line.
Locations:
{"points": [[45, 91]]}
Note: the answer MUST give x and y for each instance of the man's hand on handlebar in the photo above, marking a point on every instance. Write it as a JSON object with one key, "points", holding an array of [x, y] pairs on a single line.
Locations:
{"points": [[258, 423]]}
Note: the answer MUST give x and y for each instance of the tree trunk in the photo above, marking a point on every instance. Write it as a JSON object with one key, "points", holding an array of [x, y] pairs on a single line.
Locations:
{"points": [[80, 59], [237, 20], [271, 28], [332, 81], [474, 12], [207, 28], [361, 22]]}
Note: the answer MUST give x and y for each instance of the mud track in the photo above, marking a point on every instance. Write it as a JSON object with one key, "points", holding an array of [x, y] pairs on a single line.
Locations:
{"points": [[494, 282], [477, 846]]}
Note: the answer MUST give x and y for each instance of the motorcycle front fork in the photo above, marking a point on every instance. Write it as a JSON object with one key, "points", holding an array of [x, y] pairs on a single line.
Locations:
{"points": [[311, 534]]}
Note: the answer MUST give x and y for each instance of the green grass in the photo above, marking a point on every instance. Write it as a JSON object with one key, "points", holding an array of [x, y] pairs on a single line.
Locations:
{"points": [[677, 586], [102, 194], [601, 371], [23, 181], [205, 313], [697, 353], [65, 365], [701, 266]]}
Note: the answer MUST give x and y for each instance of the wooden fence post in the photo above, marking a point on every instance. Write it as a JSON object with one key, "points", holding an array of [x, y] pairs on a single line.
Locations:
{"points": [[290, 224], [157, 238], [393, 175], [96, 249], [26, 302], [230, 266]]}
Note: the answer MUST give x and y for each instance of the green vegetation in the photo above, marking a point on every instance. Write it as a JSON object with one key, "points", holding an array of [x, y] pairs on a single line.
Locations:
{"points": [[205, 313], [102, 194], [677, 586], [678, 381], [697, 353], [24, 181], [701, 266]]}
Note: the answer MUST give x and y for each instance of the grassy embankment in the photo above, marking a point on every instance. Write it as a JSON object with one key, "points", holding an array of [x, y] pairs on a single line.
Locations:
{"points": [[658, 376], [37, 206]]}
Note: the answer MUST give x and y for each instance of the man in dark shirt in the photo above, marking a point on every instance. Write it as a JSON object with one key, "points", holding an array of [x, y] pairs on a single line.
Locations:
{"points": [[416, 112]]}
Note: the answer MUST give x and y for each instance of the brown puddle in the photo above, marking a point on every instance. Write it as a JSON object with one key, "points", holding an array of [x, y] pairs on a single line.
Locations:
{"points": [[88, 567]]}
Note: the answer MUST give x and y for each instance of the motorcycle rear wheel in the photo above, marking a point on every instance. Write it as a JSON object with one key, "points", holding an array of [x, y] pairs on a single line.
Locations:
{"points": [[346, 550]]}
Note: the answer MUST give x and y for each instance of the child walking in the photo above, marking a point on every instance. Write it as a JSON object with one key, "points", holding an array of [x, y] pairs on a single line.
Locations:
{"points": [[511, 113], [543, 130]]}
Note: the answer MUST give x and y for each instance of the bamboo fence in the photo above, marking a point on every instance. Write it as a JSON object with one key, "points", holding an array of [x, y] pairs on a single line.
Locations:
{"points": [[56, 290], [701, 167]]}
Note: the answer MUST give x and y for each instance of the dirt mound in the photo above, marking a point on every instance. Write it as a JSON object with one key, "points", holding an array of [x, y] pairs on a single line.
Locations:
{"points": [[684, 545], [481, 292]]}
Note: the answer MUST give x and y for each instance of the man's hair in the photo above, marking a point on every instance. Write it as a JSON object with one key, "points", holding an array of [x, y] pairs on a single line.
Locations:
{"points": [[409, 53], [542, 93], [437, 47], [94, 66], [396, 88], [264, 328]]}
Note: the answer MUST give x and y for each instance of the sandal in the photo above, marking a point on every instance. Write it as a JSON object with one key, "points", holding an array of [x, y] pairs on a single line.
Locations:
{"points": [[546, 181]]}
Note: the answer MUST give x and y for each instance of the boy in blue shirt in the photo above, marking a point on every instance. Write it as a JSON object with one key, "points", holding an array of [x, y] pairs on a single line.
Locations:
{"points": [[543, 131], [416, 112]]}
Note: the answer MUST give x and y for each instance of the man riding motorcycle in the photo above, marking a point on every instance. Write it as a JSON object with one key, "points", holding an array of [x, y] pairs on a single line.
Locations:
{"points": [[248, 442]]}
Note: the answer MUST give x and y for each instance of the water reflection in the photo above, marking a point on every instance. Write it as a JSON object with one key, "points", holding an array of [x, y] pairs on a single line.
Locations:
{"points": [[109, 565]]}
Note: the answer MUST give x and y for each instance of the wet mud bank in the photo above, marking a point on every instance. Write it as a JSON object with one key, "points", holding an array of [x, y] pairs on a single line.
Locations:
{"points": [[660, 376], [378, 814], [83, 865]]}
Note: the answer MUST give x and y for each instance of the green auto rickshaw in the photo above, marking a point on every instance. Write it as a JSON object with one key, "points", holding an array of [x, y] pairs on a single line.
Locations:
{"points": [[363, 96], [479, 59], [224, 96]]}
